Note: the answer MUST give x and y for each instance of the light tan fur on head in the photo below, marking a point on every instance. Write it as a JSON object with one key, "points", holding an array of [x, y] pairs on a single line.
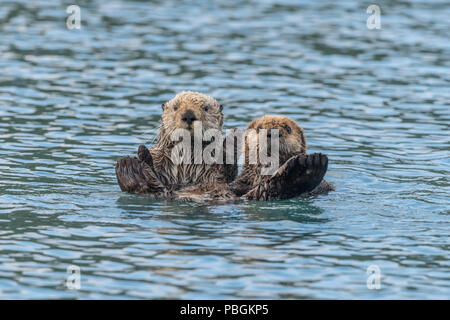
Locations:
{"points": [[205, 109], [292, 139]]}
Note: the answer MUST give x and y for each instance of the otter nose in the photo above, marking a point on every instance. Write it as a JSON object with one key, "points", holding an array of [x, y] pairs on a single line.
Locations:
{"points": [[188, 117]]}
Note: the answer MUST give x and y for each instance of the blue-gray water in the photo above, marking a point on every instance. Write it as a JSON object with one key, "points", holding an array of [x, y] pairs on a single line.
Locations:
{"points": [[74, 101]]}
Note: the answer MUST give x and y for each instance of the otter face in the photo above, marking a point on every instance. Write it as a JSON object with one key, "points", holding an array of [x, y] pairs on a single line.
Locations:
{"points": [[189, 108], [291, 137]]}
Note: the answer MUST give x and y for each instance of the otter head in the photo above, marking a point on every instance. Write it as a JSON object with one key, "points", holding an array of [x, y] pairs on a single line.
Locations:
{"points": [[188, 109], [291, 137]]}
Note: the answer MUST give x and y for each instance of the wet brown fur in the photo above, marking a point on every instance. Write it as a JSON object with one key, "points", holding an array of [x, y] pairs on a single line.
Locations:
{"points": [[290, 144], [299, 173], [177, 176]]}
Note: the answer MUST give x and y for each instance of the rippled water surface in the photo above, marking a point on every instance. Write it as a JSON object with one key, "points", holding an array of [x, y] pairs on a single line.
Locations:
{"points": [[74, 101]]}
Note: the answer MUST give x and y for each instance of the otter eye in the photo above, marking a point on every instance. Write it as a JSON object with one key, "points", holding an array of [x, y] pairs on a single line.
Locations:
{"points": [[288, 129], [206, 108]]}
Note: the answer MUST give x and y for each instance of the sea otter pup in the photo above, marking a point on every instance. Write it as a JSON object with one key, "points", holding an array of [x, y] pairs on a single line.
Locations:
{"points": [[299, 173], [156, 172]]}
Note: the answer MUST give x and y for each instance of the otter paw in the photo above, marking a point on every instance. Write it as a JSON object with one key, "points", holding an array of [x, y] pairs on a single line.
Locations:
{"points": [[144, 155], [136, 176], [125, 175], [299, 174]]}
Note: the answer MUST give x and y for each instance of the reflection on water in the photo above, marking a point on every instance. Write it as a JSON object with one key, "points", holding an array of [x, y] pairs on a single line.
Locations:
{"points": [[73, 101]]}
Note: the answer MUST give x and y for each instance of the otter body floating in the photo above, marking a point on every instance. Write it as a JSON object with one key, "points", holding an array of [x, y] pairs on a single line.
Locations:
{"points": [[156, 173]]}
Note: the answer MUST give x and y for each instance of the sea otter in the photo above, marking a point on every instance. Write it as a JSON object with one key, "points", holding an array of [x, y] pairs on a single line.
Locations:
{"points": [[156, 172], [299, 173]]}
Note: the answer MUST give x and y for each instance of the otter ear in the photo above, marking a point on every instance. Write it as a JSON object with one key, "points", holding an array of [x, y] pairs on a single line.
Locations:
{"points": [[163, 106], [221, 107]]}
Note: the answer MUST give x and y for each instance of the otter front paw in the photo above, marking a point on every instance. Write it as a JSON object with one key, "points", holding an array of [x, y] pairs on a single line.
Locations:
{"points": [[144, 155], [136, 176], [299, 174]]}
